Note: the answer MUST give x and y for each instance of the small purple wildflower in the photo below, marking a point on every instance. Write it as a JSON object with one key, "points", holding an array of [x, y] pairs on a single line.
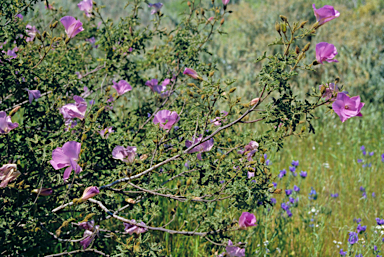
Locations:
{"points": [[359, 160], [335, 195], [357, 220], [303, 174], [373, 195], [362, 189], [362, 148], [361, 228], [353, 238], [273, 201], [291, 200], [268, 162], [284, 206], [289, 213], [375, 248], [364, 195], [342, 253], [288, 191], [364, 165], [371, 153], [274, 184], [222, 181], [364, 152], [296, 188], [312, 194], [282, 173], [379, 221], [292, 168], [295, 163]]}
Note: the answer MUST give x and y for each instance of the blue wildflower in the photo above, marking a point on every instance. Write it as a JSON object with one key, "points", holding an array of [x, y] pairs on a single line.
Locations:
{"points": [[273, 201], [357, 220], [296, 188], [335, 195], [274, 184], [362, 148], [371, 153], [353, 238], [359, 160], [362, 189], [342, 253], [289, 213], [288, 191], [295, 163], [303, 174], [292, 168], [361, 228], [312, 194]]}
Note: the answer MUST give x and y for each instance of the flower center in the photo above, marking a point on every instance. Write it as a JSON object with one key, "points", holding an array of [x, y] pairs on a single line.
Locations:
{"points": [[346, 107]]}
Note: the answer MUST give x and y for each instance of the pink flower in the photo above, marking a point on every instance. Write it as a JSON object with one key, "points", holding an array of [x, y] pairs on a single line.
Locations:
{"points": [[250, 150], [191, 73], [125, 154], [166, 119], [330, 90], [105, 132], [234, 251], [122, 87], [8, 173], [130, 229], [156, 7], [67, 156], [347, 107], [254, 101], [31, 32], [211, 18], [86, 6], [6, 124], [325, 14], [72, 26], [33, 94], [49, 7], [12, 53], [325, 52], [87, 225], [90, 192], [225, 2], [217, 121], [153, 84], [90, 232], [250, 174], [74, 110], [43, 191], [203, 147], [247, 220]]}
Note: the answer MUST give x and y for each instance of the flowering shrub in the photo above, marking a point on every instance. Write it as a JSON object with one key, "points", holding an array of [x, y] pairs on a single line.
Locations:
{"points": [[135, 148]]}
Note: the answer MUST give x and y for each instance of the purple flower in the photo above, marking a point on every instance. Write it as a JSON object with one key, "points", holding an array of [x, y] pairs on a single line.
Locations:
{"points": [[335, 195], [353, 238], [247, 220], [8, 173], [156, 7], [221, 181], [371, 153], [292, 200], [292, 168], [125, 154], [359, 160], [312, 194], [6, 124], [92, 41], [289, 213], [153, 84], [217, 121], [347, 107], [325, 14], [72, 26], [296, 188], [330, 89], [31, 32], [362, 189], [87, 225], [379, 221], [44, 191], [86, 6], [342, 253], [90, 231], [303, 174], [284, 206], [203, 147], [225, 2], [166, 119], [90, 192], [282, 173], [274, 184], [250, 150], [357, 220], [364, 152], [105, 132], [87, 241], [373, 195], [295, 163], [288, 191], [33, 94], [273, 201], [12, 53], [250, 174], [375, 248], [122, 87], [362, 148], [359, 255], [67, 156], [234, 251], [74, 110], [325, 52], [130, 228], [20, 16], [268, 162], [364, 195], [361, 228], [191, 73]]}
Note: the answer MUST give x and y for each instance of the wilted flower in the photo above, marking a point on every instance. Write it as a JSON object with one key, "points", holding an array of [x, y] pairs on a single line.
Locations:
{"points": [[303, 174], [122, 87], [166, 119], [234, 251], [44, 191], [6, 124], [67, 156], [90, 192], [325, 14], [296, 188], [217, 121], [247, 220], [156, 7], [33, 94], [191, 73], [125, 154], [203, 147], [250, 150], [31, 32], [8, 173], [105, 132], [74, 110], [86, 6], [130, 229], [325, 52], [353, 238], [72, 26], [90, 230], [329, 91], [347, 107]]}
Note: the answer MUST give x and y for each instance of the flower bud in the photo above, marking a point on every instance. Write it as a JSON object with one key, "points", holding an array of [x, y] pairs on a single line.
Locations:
{"points": [[90, 192], [197, 12], [302, 24], [14, 110], [143, 157], [130, 200], [211, 73], [54, 25], [277, 27], [297, 50], [283, 18], [189, 4], [254, 101], [283, 27], [43, 191], [306, 47], [232, 90], [38, 36], [222, 21], [44, 34]]}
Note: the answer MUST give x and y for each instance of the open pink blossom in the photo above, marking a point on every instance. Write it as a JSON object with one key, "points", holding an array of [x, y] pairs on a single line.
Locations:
{"points": [[250, 174], [125, 154], [203, 147], [31, 32], [250, 150], [225, 2], [74, 110], [105, 132], [8, 173], [217, 121], [153, 84], [122, 87], [130, 229], [67, 156], [347, 107], [86, 6], [90, 192], [155, 7], [191, 73], [325, 52], [6, 124], [234, 251], [330, 90], [325, 14], [166, 119], [247, 220], [33, 94], [44, 191], [72, 26]]}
